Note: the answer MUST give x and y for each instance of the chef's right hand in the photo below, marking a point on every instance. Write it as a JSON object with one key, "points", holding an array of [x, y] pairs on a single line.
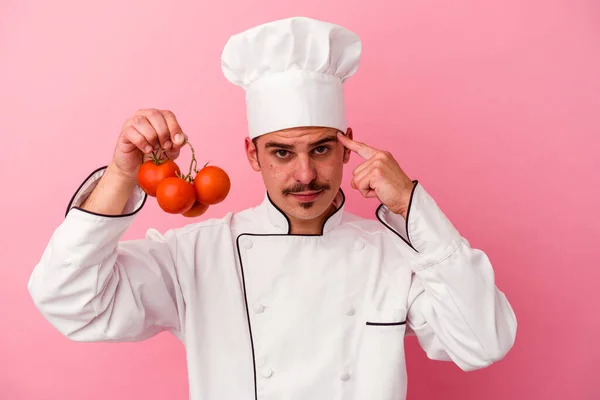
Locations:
{"points": [[146, 131]]}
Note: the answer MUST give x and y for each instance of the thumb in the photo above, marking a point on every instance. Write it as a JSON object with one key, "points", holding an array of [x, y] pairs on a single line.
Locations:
{"points": [[179, 139]]}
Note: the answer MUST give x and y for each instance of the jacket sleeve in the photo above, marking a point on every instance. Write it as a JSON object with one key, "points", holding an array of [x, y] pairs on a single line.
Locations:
{"points": [[93, 287], [455, 309]]}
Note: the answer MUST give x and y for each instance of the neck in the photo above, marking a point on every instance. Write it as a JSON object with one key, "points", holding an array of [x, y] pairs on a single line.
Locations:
{"points": [[311, 226]]}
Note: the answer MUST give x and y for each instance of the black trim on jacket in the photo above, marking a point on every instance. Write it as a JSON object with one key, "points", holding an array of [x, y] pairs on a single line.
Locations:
{"points": [[69, 208], [416, 182]]}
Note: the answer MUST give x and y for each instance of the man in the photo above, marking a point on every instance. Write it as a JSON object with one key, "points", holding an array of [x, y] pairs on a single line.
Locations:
{"points": [[294, 298]]}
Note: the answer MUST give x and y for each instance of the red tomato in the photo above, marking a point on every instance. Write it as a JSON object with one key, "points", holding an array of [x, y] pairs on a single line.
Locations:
{"points": [[151, 174], [175, 195], [212, 185], [197, 210]]}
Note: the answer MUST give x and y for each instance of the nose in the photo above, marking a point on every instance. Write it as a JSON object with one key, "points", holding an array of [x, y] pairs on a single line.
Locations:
{"points": [[305, 171]]}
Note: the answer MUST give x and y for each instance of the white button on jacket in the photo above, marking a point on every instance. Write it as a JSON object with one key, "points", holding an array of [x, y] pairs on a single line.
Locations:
{"points": [[338, 304]]}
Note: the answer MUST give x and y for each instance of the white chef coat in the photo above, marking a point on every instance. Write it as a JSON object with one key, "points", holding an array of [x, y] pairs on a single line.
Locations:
{"points": [[267, 315]]}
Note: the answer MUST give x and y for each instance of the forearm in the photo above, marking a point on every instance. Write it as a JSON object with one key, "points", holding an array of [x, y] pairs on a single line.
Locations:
{"points": [[456, 309], [90, 285], [460, 311], [111, 194]]}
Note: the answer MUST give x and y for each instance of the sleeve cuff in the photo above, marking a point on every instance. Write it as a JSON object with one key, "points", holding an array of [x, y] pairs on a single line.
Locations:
{"points": [[426, 229], [133, 206]]}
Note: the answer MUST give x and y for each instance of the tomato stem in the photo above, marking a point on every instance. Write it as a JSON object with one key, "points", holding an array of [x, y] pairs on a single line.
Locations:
{"points": [[157, 157], [193, 164]]}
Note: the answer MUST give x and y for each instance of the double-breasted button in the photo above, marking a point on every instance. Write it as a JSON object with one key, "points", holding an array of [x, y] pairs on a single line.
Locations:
{"points": [[266, 372], [345, 376], [350, 311], [259, 308], [359, 245]]}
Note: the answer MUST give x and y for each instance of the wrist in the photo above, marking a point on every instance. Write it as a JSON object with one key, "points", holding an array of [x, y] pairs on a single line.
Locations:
{"points": [[402, 211], [401, 207], [120, 178], [111, 194]]}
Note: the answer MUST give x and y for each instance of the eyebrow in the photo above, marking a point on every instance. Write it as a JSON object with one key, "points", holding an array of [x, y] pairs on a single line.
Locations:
{"points": [[291, 147]]}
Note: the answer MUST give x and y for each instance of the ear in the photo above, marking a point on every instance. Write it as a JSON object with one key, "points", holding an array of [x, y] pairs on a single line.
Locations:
{"points": [[346, 150], [252, 154]]}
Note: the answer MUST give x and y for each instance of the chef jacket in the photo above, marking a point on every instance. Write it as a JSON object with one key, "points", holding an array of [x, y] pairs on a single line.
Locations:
{"points": [[268, 315]]}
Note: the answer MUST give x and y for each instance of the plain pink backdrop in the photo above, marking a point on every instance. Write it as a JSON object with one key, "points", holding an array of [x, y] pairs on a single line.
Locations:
{"points": [[492, 105]]}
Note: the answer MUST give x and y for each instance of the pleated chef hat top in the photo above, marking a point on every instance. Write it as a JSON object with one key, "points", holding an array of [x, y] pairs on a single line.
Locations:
{"points": [[292, 71]]}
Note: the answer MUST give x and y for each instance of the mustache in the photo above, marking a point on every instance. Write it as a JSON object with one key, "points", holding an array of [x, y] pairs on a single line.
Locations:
{"points": [[300, 187]]}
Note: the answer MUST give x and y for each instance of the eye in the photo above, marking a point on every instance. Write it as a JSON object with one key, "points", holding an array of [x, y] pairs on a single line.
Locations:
{"points": [[321, 150], [281, 153]]}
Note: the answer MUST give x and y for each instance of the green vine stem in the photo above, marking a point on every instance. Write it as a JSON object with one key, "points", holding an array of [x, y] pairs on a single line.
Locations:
{"points": [[157, 156], [163, 153], [160, 156], [193, 165]]}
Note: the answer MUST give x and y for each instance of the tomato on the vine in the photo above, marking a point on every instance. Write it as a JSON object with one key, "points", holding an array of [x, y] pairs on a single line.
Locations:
{"points": [[153, 172], [175, 195], [212, 185], [197, 210], [183, 194]]}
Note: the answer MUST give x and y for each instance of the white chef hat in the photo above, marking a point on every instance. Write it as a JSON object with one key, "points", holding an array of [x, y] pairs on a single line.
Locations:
{"points": [[292, 71]]}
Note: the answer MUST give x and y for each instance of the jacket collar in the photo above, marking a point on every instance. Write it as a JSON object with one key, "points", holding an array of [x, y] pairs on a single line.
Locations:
{"points": [[280, 224]]}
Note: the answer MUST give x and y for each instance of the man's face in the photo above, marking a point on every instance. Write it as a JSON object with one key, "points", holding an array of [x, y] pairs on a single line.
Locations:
{"points": [[301, 168]]}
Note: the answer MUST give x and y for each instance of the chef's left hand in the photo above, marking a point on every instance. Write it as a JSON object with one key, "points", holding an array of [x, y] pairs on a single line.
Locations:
{"points": [[380, 176]]}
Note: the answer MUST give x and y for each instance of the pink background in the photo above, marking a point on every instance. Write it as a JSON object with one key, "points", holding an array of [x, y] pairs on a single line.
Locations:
{"points": [[492, 105]]}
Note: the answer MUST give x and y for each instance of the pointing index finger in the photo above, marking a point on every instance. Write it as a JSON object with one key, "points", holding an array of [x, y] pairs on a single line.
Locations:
{"points": [[359, 148]]}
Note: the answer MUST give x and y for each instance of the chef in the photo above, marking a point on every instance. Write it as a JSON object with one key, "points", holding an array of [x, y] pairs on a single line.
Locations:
{"points": [[295, 298]]}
